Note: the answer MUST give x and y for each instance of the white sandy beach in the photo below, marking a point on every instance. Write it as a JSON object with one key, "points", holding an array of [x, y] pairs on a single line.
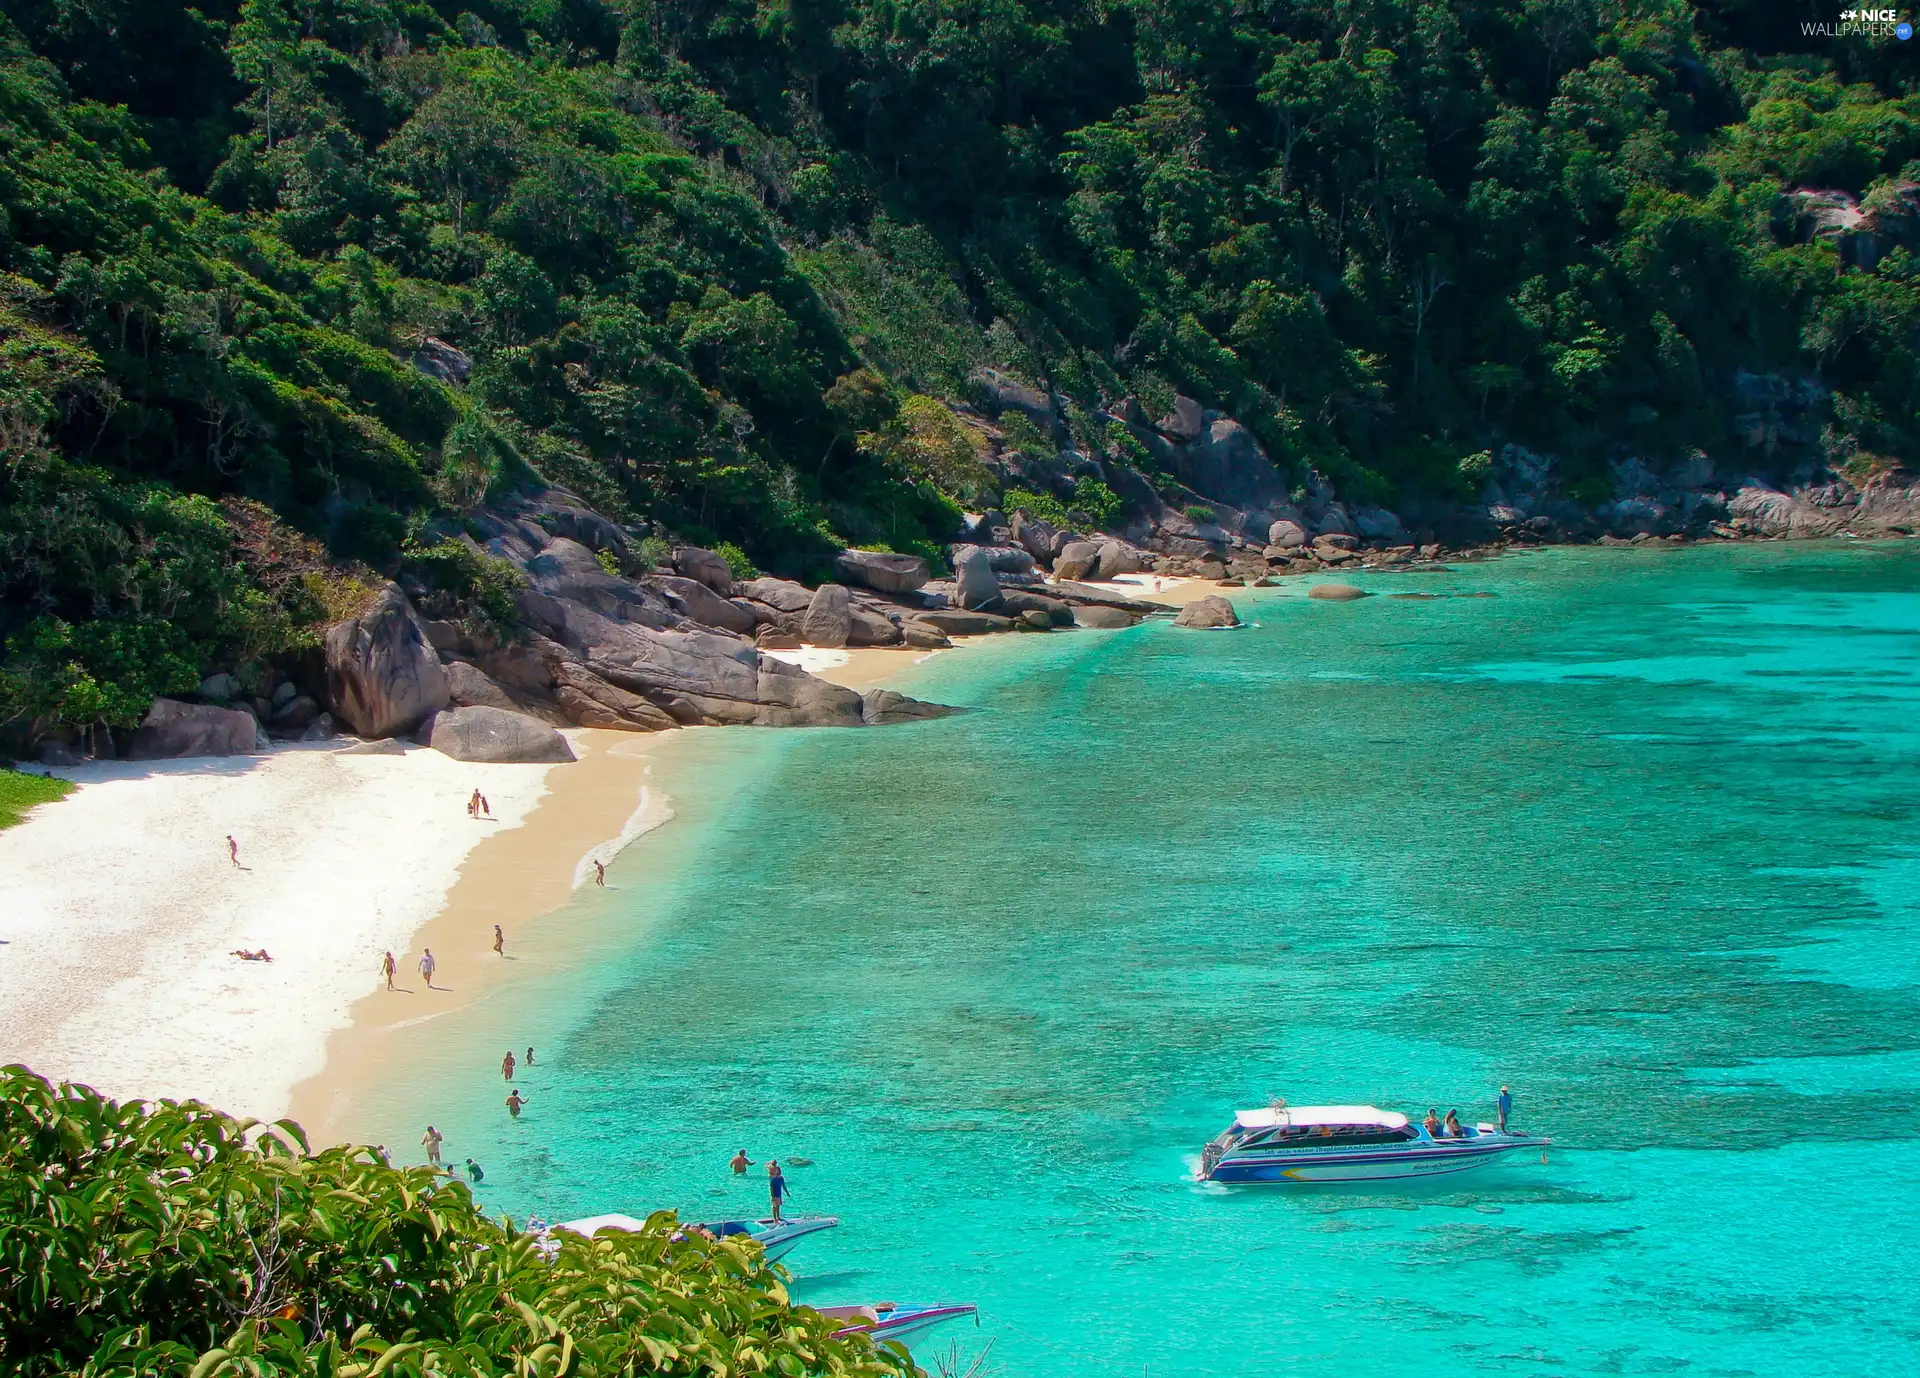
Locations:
{"points": [[121, 910]]}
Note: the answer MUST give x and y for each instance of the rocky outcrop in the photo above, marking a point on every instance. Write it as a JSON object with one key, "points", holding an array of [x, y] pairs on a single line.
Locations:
{"points": [[957, 622], [697, 602], [881, 570], [438, 359], [829, 617], [172, 728], [1104, 618], [382, 675], [867, 626], [1019, 602], [1337, 593], [589, 701], [1039, 539], [975, 584], [1081, 595], [1076, 560], [1287, 534], [1207, 614], [565, 569], [691, 562], [924, 635], [882, 707], [1002, 393], [496, 735]]}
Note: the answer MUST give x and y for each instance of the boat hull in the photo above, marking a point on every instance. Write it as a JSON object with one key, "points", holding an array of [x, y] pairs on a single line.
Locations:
{"points": [[1427, 1160]]}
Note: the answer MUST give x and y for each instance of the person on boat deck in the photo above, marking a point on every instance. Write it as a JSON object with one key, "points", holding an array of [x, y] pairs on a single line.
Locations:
{"points": [[1431, 1123], [1453, 1129], [1506, 1106], [776, 1186]]}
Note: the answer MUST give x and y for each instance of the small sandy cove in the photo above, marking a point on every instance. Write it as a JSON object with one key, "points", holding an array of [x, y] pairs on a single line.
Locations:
{"points": [[120, 909]]}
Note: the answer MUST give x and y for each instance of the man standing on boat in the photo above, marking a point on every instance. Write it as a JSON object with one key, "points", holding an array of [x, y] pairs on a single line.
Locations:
{"points": [[776, 1186], [1506, 1106]]}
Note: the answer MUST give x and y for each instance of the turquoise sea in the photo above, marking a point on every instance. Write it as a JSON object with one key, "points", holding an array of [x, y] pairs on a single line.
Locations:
{"points": [[1634, 831]]}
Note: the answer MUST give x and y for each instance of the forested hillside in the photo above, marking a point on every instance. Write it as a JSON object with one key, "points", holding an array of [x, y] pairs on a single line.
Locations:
{"points": [[291, 285]]}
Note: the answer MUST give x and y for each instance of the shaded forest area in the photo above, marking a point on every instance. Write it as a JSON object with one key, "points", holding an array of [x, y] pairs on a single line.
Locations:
{"points": [[291, 285]]}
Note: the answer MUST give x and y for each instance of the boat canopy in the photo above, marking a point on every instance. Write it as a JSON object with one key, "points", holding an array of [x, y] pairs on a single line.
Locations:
{"points": [[593, 1224], [1306, 1116]]}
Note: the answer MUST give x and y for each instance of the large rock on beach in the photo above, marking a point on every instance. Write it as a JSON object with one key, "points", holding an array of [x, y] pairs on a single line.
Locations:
{"points": [[710, 569], [958, 622], [975, 585], [1104, 618], [881, 570], [870, 627], [783, 595], [1287, 535], [496, 735], [589, 701], [1076, 560], [829, 618], [382, 675], [698, 603], [172, 728], [1337, 593], [1208, 613], [923, 635]]}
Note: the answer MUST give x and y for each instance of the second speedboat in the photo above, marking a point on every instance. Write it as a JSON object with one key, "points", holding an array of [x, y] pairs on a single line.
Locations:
{"points": [[1347, 1143]]}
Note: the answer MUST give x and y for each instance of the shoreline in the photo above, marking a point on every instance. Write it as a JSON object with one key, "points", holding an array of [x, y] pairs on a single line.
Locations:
{"points": [[116, 966]]}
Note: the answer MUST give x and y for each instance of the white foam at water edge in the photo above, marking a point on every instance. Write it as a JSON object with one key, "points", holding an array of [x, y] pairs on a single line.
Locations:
{"points": [[649, 813]]}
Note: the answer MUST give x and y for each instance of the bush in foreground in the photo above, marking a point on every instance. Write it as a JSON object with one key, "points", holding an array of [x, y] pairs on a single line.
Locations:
{"points": [[171, 1239]]}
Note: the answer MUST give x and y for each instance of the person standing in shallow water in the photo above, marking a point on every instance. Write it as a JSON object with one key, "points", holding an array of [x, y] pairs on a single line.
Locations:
{"points": [[514, 1101], [529, 1055], [776, 1186], [506, 1065], [740, 1162], [599, 874], [1506, 1106], [432, 1139], [476, 1172]]}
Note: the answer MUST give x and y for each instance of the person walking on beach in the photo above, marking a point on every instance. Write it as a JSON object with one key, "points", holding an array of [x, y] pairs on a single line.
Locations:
{"points": [[499, 941], [486, 809], [514, 1101], [233, 850], [427, 966], [387, 967], [776, 1186], [740, 1162], [506, 1065], [1506, 1106], [475, 1172], [599, 874], [432, 1139]]}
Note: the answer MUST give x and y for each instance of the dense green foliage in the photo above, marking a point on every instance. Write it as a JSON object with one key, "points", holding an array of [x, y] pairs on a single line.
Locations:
{"points": [[173, 1240], [20, 792], [727, 266]]}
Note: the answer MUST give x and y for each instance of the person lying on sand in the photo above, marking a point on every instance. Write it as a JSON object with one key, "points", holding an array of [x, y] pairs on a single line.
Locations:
{"points": [[246, 955]]}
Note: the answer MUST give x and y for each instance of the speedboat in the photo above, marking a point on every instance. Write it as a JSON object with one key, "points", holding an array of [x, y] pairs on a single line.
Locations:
{"points": [[776, 1237], [1347, 1143], [889, 1320]]}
